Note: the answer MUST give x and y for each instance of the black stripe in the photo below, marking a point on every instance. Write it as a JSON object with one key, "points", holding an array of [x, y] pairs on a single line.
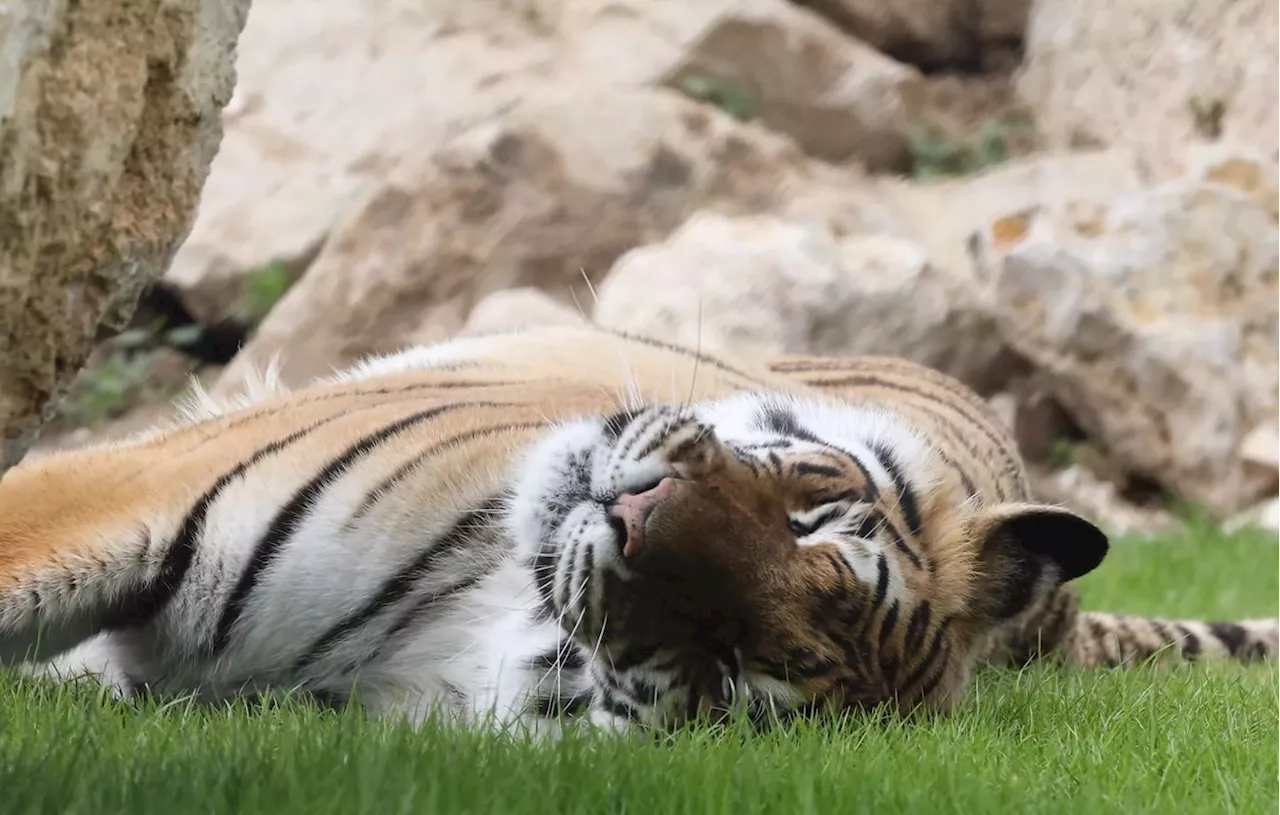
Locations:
{"points": [[841, 567], [554, 707], [1190, 642], [214, 427], [872, 489], [963, 407], [612, 702], [588, 569], [907, 500], [886, 625], [418, 612], [402, 582], [638, 429], [869, 526], [886, 523], [775, 418], [832, 498], [678, 422], [688, 352], [1101, 635], [930, 658], [147, 603], [882, 582], [373, 496], [632, 655], [565, 594], [932, 683], [1166, 636], [617, 423], [775, 461], [916, 626], [565, 657], [768, 444], [1232, 635], [292, 514]]}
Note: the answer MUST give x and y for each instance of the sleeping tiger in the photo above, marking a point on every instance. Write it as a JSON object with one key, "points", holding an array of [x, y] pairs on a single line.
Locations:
{"points": [[565, 525]]}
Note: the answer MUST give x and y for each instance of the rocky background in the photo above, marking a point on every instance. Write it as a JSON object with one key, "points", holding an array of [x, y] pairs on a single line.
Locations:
{"points": [[1069, 204]]}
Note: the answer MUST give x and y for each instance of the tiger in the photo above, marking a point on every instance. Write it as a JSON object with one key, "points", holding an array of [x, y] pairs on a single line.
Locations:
{"points": [[566, 526]]}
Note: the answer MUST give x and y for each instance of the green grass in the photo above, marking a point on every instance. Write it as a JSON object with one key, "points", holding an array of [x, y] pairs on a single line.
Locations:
{"points": [[1193, 739]]}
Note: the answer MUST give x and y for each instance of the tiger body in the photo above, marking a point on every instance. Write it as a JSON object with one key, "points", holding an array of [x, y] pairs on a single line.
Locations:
{"points": [[447, 529]]}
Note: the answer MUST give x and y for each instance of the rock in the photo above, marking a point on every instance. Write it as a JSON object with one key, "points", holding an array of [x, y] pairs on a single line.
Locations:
{"points": [[1265, 516], [325, 110], [1154, 320], [943, 216], [760, 285], [931, 34], [940, 218], [559, 188], [1153, 74], [1005, 405], [765, 59], [1081, 490], [108, 122], [1259, 447], [330, 95], [516, 309]]}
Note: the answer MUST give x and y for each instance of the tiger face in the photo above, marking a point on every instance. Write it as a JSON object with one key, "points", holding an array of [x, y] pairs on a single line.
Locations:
{"points": [[772, 554]]}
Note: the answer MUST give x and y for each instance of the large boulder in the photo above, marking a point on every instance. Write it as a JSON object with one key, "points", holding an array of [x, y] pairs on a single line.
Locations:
{"points": [[109, 117], [548, 197], [333, 96], [839, 98], [517, 309], [330, 96], [1154, 322], [1153, 74], [761, 286]]}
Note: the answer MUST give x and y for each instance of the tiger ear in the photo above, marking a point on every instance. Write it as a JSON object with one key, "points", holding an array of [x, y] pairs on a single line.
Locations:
{"points": [[1026, 551]]}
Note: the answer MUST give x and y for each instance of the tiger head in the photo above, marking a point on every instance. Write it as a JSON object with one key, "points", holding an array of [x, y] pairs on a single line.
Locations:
{"points": [[773, 554]]}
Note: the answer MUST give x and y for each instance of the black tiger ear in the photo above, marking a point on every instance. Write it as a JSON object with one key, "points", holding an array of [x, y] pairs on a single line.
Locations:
{"points": [[1026, 551]]}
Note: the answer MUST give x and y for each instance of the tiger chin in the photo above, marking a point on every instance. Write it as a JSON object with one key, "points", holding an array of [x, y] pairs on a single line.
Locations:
{"points": [[565, 525]]}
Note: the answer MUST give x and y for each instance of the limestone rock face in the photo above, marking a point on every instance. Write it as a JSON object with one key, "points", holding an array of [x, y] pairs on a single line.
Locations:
{"points": [[109, 118], [759, 285], [330, 96], [1153, 74], [517, 309], [334, 96], [548, 197], [767, 59], [1154, 321]]}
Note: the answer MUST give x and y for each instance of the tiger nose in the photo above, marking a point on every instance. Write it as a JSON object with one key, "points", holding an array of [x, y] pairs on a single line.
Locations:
{"points": [[633, 509]]}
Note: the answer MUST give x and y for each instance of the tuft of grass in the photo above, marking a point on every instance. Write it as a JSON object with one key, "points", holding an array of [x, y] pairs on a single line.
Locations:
{"points": [[1192, 739], [724, 94], [263, 288], [936, 155], [122, 376]]}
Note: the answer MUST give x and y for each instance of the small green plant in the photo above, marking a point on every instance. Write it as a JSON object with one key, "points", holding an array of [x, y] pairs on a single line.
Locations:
{"points": [[1062, 454], [124, 376], [721, 93], [936, 155], [1207, 116], [1192, 513], [263, 288]]}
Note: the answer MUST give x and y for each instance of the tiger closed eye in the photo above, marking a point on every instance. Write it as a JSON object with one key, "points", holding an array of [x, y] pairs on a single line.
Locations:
{"points": [[800, 529]]}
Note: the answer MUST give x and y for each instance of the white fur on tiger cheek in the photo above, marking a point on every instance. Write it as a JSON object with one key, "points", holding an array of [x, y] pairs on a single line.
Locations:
{"points": [[541, 476]]}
